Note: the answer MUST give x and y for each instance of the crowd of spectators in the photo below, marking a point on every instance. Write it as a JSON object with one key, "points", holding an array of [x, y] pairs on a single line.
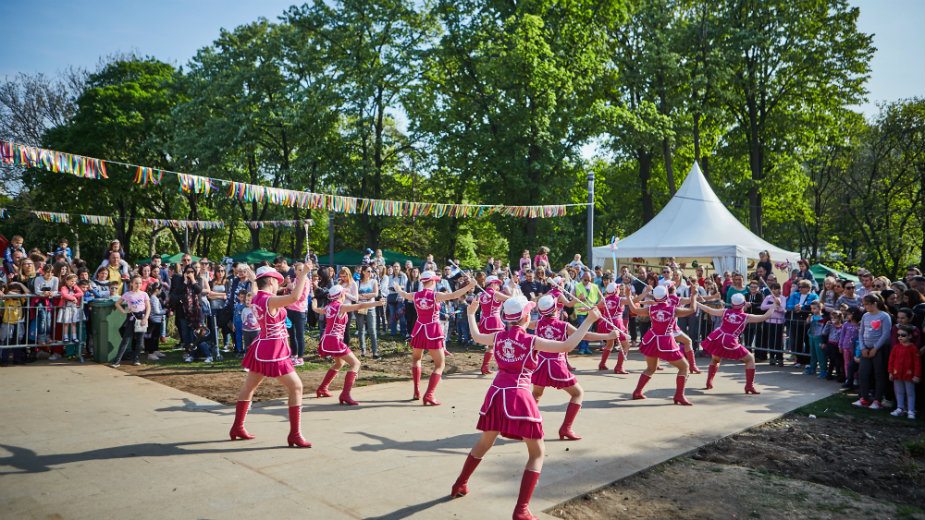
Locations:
{"points": [[852, 332]]}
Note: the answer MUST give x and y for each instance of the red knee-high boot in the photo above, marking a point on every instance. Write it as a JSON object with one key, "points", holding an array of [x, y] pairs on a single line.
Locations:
{"points": [[295, 429], [605, 354], [711, 373], [485, 359], [689, 355], [416, 377], [643, 379], [345, 393], [621, 357], [431, 387], [322, 390], [750, 381], [679, 391], [565, 431], [237, 429], [527, 485], [461, 486]]}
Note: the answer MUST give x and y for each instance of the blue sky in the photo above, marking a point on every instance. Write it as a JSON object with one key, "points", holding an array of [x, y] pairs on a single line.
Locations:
{"points": [[47, 36]]}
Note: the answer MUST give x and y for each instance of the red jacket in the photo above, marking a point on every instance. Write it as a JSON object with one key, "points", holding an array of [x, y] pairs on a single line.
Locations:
{"points": [[904, 362]]}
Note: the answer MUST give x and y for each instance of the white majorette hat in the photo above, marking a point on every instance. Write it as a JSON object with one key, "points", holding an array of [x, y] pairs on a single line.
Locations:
{"points": [[546, 305], [557, 280], [660, 293], [737, 300], [515, 308], [492, 279], [269, 271], [428, 276], [335, 291], [611, 288]]}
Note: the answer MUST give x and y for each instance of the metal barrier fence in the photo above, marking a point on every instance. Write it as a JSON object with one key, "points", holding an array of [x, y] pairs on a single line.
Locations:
{"points": [[31, 323]]}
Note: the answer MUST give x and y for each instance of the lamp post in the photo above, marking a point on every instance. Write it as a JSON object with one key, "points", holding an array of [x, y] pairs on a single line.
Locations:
{"points": [[331, 237], [590, 231]]}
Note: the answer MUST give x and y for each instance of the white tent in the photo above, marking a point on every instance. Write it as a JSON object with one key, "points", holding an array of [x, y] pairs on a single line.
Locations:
{"points": [[695, 225]]}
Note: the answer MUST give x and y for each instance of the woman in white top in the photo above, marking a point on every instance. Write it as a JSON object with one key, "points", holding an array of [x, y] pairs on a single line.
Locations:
{"points": [[136, 305], [352, 295]]}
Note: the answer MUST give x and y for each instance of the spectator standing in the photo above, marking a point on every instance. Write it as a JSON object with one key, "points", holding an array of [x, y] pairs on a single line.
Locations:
{"points": [[774, 327], [905, 371], [542, 257], [849, 299], [590, 294], [874, 336], [368, 290], [155, 322], [798, 305], [136, 305]]}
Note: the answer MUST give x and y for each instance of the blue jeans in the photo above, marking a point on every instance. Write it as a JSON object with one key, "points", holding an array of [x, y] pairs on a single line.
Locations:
{"points": [[817, 358], [297, 333], [397, 318], [186, 331], [583, 346], [462, 329]]}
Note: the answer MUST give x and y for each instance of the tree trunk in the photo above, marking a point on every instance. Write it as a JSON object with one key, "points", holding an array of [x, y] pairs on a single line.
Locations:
{"points": [[756, 165], [645, 173], [669, 167], [696, 138]]}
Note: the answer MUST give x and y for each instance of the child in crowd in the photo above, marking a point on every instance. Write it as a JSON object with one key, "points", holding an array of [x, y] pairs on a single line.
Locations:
{"points": [[249, 322], [905, 370], [237, 323], [100, 285], [815, 328], [155, 322], [848, 344], [833, 358], [15, 246], [12, 325], [88, 296], [63, 249], [46, 287], [69, 314]]}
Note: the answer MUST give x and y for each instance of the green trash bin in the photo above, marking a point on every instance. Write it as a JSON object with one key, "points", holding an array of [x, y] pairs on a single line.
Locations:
{"points": [[105, 322]]}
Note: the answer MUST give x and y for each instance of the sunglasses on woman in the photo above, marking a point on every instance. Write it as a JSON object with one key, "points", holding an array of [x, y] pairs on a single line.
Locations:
{"points": [[902, 335]]}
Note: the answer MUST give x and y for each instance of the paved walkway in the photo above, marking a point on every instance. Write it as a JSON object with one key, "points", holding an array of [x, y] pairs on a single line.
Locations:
{"points": [[92, 442]]}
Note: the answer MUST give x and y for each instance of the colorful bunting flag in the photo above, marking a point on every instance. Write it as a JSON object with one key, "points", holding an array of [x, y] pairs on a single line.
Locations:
{"points": [[96, 220], [57, 162], [49, 216], [260, 224]]}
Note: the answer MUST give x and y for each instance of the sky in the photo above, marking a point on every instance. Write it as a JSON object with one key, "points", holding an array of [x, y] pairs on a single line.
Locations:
{"points": [[48, 36]]}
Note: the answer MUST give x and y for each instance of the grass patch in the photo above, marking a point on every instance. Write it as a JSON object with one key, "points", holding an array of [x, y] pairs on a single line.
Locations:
{"points": [[908, 511], [916, 447]]}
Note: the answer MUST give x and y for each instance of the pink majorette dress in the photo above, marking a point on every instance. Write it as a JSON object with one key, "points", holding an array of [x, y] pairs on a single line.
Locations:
{"points": [[613, 311], [509, 405], [332, 341], [490, 320], [659, 339], [724, 341], [427, 332], [269, 354], [552, 369], [555, 292], [676, 301]]}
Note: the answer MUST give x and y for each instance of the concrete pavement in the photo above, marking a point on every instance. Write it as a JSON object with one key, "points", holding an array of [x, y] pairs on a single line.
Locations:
{"points": [[87, 441]]}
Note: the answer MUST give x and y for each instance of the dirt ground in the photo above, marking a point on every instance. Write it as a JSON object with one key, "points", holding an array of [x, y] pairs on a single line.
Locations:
{"points": [[221, 381], [845, 463]]}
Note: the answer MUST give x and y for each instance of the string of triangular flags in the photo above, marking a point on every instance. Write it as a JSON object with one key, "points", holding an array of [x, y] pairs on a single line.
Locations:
{"points": [[260, 224], [65, 218], [30, 156]]}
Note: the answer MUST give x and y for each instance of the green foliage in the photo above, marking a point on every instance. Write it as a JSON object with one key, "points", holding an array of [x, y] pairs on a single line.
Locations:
{"points": [[507, 103]]}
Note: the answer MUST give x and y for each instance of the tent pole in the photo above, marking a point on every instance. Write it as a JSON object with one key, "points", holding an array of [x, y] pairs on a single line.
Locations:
{"points": [[590, 231]]}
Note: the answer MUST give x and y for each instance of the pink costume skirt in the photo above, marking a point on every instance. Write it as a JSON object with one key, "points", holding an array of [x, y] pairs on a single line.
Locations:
{"points": [[489, 324], [723, 345], [332, 346], [661, 346], [553, 372], [270, 357], [603, 327], [427, 336], [511, 411]]}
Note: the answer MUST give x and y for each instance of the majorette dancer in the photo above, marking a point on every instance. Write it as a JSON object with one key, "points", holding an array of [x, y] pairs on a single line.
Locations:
{"points": [[552, 370], [490, 301], [680, 336], [612, 308], [269, 355], [659, 342], [558, 294], [723, 343], [336, 318], [427, 333], [509, 409]]}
